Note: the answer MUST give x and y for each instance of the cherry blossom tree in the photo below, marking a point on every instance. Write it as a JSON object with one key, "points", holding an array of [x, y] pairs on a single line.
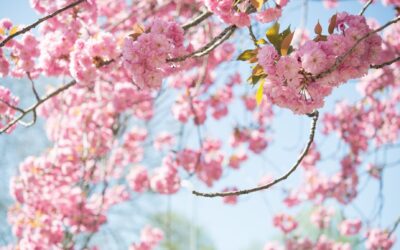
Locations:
{"points": [[134, 78]]}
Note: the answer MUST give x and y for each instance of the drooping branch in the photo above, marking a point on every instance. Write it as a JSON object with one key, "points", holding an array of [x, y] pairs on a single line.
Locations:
{"points": [[340, 59], [39, 21], [314, 116], [378, 66], [214, 43]]}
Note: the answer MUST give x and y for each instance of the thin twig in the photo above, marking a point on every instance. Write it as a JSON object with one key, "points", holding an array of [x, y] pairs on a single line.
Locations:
{"points": [[39, 21], [12, 106], [340, 59], [365, 7], [35, 106], [378, 66], [396, 224], [33, 86], [223, 36], [253, 36], [197, 20], [314, 116]]}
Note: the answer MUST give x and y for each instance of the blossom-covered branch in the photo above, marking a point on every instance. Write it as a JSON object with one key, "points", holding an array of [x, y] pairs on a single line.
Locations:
{"points": [[39, 21], [339, 60]]}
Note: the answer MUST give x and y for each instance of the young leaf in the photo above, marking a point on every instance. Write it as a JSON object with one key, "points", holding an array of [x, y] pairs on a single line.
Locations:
{"points": [[260, 92], [273, 35], [332, 24], [247, 55], [286, 32], [257, 3], [286, 44], [258, 70], [261, 41], [318, 29], [13, 30], [274, 30]]}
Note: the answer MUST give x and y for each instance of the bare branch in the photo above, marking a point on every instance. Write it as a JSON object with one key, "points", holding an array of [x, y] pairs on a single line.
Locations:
{"points": [[33, 86], [12, 106], [396, 224], [378, 66], [365, 7], [314, 116], [39, 21], [197, 20]]}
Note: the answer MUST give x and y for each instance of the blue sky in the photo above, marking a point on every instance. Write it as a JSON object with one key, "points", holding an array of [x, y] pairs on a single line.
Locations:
{"points": [[237, 227]]}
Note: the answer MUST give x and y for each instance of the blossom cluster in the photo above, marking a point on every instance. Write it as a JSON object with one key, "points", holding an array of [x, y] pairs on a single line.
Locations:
{"points": [[145, 57], [238, 14], [293, 80]]}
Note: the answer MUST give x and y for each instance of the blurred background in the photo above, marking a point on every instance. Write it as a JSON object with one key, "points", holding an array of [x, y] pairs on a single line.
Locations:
{"points": [[201, 223]]}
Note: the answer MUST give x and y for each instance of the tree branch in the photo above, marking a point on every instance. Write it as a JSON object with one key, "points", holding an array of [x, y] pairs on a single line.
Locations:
{"points": [[253, 36], [396, 224], [39, 21], [314, 116], [218, 40], [378, 66], [35, 106], [197, 20], [365, 7]]}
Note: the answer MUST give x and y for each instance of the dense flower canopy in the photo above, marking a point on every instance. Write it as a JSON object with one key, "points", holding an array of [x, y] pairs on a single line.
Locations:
{"points": [[117, 59]]}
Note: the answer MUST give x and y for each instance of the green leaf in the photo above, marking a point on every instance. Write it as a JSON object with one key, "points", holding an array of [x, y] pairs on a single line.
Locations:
{"points": [[254, 79], [286, 32], [247, 55], [273, 34]]}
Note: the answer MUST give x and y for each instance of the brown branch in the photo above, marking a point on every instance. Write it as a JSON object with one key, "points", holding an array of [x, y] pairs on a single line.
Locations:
{"points": [[197, 20], [33, 86], [314, 116], [378, 66], [35, 106], [365, 7], [12, 106], [396, 224], [340, 59], [253, 36], [39, 21], [214, 43]]}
